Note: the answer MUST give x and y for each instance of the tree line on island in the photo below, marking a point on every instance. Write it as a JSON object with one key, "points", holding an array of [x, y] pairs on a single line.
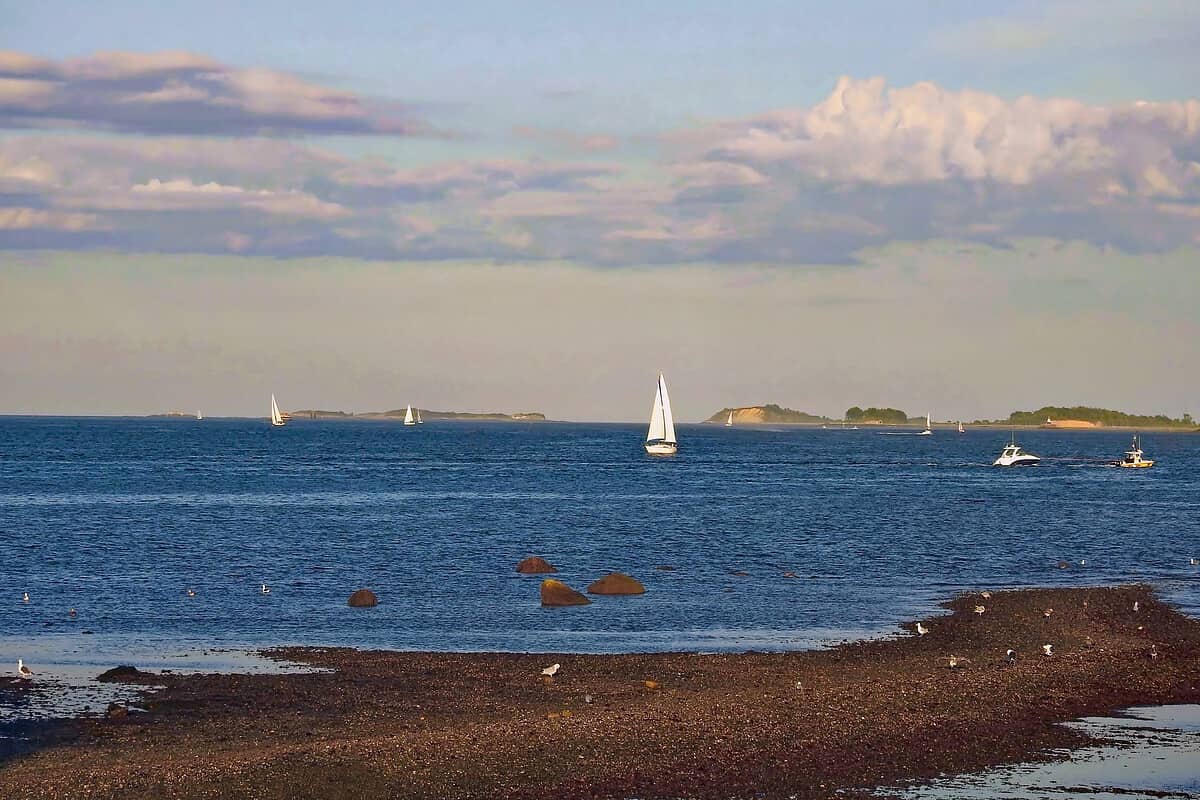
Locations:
{"points": [[1053, 415]]}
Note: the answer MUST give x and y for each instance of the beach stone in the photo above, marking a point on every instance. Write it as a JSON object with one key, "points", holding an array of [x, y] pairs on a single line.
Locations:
{"points": [[116, 711], [363, 598], [616, 583], [535, 565], [557, 593], [123, 674]]}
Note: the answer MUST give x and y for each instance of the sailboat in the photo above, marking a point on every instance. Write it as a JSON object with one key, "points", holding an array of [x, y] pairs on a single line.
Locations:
{"points": [[199, 415], [729, 422], [960, 427], [660, 438], [928, 428], [408, 416], [419, 420], [276, 417]]}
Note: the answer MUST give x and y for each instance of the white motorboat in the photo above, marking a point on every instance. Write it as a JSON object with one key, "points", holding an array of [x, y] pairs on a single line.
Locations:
{"points": [[1013, 456], [660, 438], [408, 416], [928, 428], [276, 418], [1133, 456]]}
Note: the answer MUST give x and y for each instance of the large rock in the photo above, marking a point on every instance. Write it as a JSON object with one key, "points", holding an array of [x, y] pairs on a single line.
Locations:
{"points": [[363, 598], [535, 565], [125, 674], [557, 593], [616, 583]]}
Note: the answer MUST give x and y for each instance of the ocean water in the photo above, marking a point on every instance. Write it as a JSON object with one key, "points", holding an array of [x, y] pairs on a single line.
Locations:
{"points": [[117, 518]]}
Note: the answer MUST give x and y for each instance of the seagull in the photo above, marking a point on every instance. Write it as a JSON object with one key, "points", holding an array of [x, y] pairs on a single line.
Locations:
{"points": [[955, 661], [921, 629], [1047, 649], [191, 592], [550, 670], [986, 595], [1135, 605], [980, 609], [1195, 562], [25, 672], [265, 589], [25, 597], [71, 613], [1153, 652], [1082, 562], [1048, 612], [1010, 657]]}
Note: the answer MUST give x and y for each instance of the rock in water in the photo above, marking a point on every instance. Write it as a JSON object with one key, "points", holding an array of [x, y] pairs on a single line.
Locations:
{"points": [[363, 598], [557, 593], [616, 583], [535, 565]]}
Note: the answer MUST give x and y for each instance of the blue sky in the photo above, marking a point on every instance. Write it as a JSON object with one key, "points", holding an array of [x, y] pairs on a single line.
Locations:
{"points": [[804, 137]]}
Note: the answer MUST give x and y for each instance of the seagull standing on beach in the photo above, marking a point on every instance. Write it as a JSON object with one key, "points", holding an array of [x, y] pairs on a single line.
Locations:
{"points": [[921, 629], [955, 661], [25, 672], [1047, 649], [550, 670], [980, 610], [1135, 605], [1010, 657]]}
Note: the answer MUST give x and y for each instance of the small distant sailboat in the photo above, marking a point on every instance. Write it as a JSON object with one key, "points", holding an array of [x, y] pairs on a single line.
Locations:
{"points": [[199, 416], [729, 422], [419, 420], [660, 438], [276, 417], [408, 416], [960, 427], [928, 427]]}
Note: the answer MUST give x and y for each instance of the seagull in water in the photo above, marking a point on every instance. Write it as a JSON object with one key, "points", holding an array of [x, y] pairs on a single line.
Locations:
{"points": [[921, 629], [71, 613], [191, 592], [980, 609], [1010, 657], [25, 672], [265, 589], [1047, 649], [25, 597]]}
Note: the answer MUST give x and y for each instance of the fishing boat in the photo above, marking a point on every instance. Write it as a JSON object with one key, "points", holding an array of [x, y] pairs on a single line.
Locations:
{"points": [[960, 427], [408, 416], [1013, 456], [928, 427], [660, 438], [1133, 456], [276, 417], [729, 422]]}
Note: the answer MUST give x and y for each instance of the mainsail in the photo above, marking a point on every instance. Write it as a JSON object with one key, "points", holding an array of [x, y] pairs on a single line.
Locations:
{"points": [[662, 424]]}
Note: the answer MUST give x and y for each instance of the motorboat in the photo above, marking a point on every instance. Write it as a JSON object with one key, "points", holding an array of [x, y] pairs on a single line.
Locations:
{"points": [[1133, 456], [1013, 456]]}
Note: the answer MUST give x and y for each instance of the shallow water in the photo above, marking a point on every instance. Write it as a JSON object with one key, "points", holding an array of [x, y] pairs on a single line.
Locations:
{"points": [[118, 517], [1148, 753]]}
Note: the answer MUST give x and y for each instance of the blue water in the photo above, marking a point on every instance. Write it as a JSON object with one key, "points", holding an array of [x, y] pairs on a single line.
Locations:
{"points": [[118, 517]]}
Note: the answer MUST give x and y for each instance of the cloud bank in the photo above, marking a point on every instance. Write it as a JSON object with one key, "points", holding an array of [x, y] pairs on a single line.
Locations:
{"points": [[868, 165]]}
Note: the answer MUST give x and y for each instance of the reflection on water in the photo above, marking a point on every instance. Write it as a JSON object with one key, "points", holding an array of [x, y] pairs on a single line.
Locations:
{"points": [[1149, 753]]}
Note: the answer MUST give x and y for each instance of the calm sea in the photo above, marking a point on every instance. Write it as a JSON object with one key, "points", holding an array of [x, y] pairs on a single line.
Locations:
{"points": [[117, 518]]}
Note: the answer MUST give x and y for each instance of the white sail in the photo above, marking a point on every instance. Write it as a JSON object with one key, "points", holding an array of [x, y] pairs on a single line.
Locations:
{"points": [[408, 416], [276, 417], [960, 427], [419, 420], [729, 422], [927, 421], [668, 420], [657, 429]]}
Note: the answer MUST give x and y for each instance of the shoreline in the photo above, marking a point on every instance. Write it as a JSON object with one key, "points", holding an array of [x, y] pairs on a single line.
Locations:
{"points": [[419, 724]]}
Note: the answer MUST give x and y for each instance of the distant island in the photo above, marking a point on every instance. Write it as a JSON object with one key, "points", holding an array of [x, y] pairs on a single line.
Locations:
{"points": [[769, 414], [426, 414], [1086, 417]]}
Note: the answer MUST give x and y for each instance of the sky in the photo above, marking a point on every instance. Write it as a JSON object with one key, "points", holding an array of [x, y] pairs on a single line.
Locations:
{"points": [[960, 208]]}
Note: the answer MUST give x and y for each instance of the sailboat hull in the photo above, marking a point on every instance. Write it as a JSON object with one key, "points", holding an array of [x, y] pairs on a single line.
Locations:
{"points": [[661, 448]]}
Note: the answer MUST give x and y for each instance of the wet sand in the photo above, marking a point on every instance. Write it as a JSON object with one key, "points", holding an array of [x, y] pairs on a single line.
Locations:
{"points": [[406, 725]]}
